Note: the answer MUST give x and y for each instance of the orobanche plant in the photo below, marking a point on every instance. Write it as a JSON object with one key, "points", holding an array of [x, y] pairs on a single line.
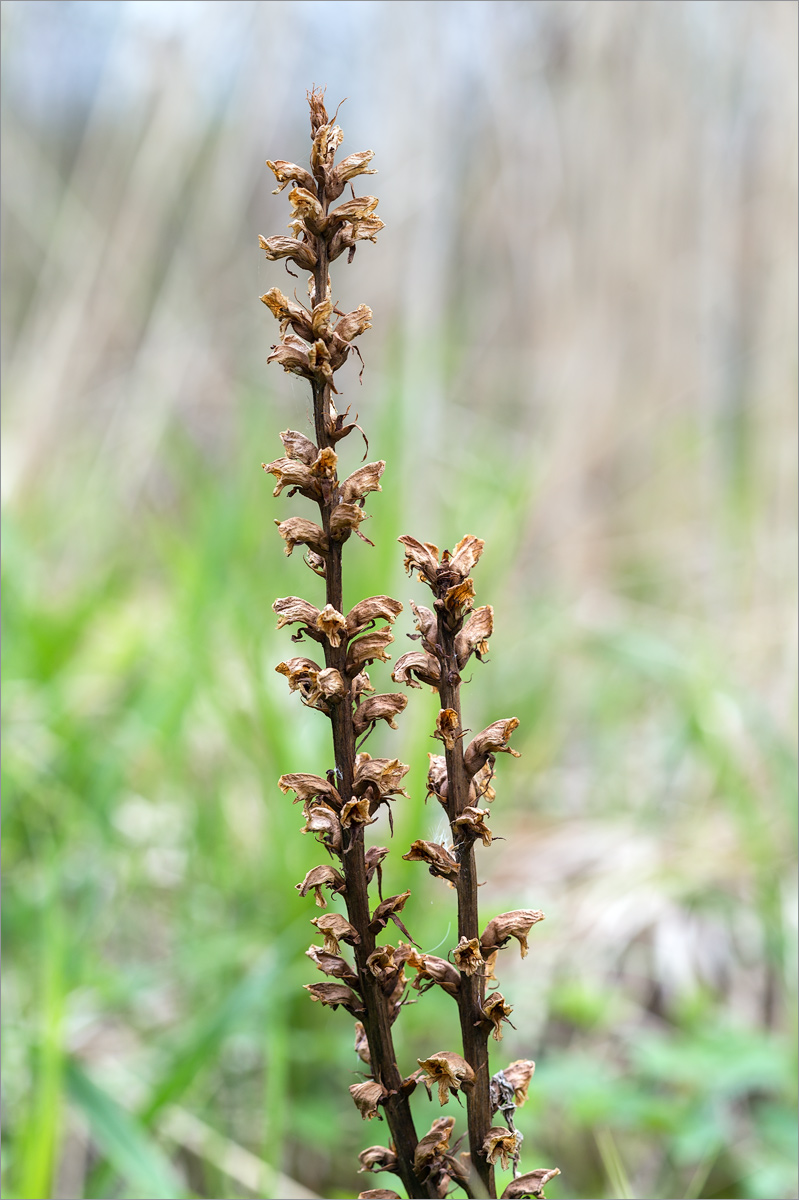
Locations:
{"points": [[372, 985]]}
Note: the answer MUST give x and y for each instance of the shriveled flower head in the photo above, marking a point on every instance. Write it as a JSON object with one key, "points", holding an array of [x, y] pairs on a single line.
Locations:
{"points": [[377, 1158], [468, 958], [367, 1096], [518, 1075], [509, 925], [450, 1071], [501, 1145], [531, 1185], [492, 740]]}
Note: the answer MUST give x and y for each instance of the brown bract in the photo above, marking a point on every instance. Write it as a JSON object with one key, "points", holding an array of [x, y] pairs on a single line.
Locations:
{"points": [[529, 1185], [501, 1145], [509, 925], [491, 740], [450, 1071], [336, 928], [439, 861], [367, 1096]]}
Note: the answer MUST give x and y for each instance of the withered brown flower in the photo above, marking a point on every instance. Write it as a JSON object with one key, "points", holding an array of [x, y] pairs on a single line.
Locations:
{"points": [[333, 964], [439, 861], [450, 1071], [293, 610], [496, 1010], [472, 822], [308, 787], [356, 812], [516, 924], [335, 994], [434, 1143], [288, 172], [420, 556], [501, 1145], [491, 740], [332, 624], [366, 479], [336, 928], [473, 638], [378, 708], [518, 1075], [468, 958], [387, 911], [319, 877], [299, 446], [294, 475], [367, 1096], [321, 820], [367, 648], [279, 246], [297, 531], [385, 774], [416, 664], [447, 727], [530, 1185], [431, 971], [378, 1194], [377, 1158], [362, 1044]]}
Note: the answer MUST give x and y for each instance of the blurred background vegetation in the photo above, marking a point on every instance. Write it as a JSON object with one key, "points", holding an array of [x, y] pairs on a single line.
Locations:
{"points": [[584, 351]]}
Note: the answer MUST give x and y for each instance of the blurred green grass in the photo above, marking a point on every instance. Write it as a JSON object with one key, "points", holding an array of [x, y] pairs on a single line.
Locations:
{"points": [[154, 940]]}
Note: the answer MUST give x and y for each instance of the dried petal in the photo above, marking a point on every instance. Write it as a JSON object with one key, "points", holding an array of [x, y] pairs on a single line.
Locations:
{"points": [[496, 1009], [365, 479], [367, 1096], [451, 1072], [336, 928], [421, 556], [473, 638], [378, 708], [285, 172], [285, 247], [439, 861], [299, 446], [331, 623], [507, 925], [333, 964], [447, 726], [319, 877], [368, 648], [377, 1158], [432, 970], [386, 774], [333, 994], [529, 1185], [492, 740], [417, 664], [294, 610], [297, 531], [362, 1044], [518, 1075], [472, 822], [501, 1145], [366, 612], [434, 1143], [467, 956], [307, 787]]}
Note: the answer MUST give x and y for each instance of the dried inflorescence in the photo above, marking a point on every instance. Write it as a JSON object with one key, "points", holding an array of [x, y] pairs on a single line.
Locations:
{"points": [[371, 980]]}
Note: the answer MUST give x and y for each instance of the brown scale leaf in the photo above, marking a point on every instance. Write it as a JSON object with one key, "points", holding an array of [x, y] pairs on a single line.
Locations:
{"points": [[450, 1071], [515, 924], [530, 1185]]}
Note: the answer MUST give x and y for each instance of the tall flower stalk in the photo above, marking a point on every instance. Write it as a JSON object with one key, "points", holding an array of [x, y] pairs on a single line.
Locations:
{"points": [[315, 341]]}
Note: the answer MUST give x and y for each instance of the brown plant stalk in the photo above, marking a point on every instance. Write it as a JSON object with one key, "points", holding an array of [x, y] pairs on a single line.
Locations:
{"points": [[316, 340]]}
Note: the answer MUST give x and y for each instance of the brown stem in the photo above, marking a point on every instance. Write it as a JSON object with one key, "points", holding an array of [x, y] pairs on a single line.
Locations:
{"points": [[376, 1019], [471, 994]]}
